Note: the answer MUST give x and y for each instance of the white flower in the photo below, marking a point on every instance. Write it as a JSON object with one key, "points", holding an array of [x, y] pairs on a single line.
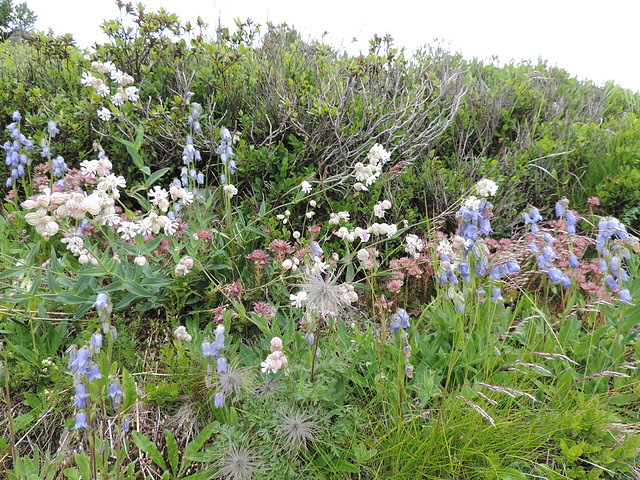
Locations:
{"points": [[140, 260], [313, 203], [127, 230], [310, 214], [230, 190], [414, 245], [87, 79], [362, 234], [341, 233], [287, 264], [144, 227], [444, 247], [159, 197], [102, 90], [377, 153], [486, 187], [359, 187], [181, 334], [333, 219], [305, 186], [104, 114], [298, 299], [274, 362], [296, 235], [132, 93], [119, 98], [378, 211], [386, 204], [363, 255], [472, 203], [170, 227], [344, 215], [392, 230]]}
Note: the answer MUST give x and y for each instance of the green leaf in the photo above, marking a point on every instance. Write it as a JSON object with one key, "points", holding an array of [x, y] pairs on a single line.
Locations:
{"points": [[204, 435], [260, 322], [137, 289], [82, 461], [147, 446], [130, 392], [172, 451], [156, 176]]}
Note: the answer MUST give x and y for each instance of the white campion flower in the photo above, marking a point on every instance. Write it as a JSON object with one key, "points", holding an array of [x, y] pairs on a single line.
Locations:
{"points": [[341, 233], [310, 214], [127, 230], [170, 228], [344, 215], [414, 245], [159, 197], [104, 114], [334, 219], [305, 186], [296, 235], [377, 154], [378, 210], [359, 187], [144, 226], [362, 234], [392, 230], [88, 168], [445, 247], [313, 203], [486, 187], [230, 190], [140, 260], [299, 299], [274, 362], [363, 255]]}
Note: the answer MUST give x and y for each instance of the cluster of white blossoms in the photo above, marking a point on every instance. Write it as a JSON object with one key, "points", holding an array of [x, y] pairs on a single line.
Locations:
{"points": [[334, 218], [486, 187], [369, 173], [181, 195], [378, 229], [123, 93], [230, 190], [184, 266], [472, 203], [276, 359], [284, 217], [305, 187], [380, 208], [350, 236], [291, 264], [414, 245], [181, 334]]}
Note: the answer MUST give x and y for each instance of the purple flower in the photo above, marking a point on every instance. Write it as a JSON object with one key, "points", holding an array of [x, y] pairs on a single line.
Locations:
{"points": [[625, 295], [310, 339], [542, 262], [207, 348], [555, 275], [566, 282], [315, 248], [114, 389], [548, 252], [573, 261], [94, 373], [81, 396], [494, 273], [496, 295], [602, 265], [559, 209], [611, 283], [512, 267], [218, 400], [548, 238], [400, 320], [221, 364], [81, 420], [535, 215]]}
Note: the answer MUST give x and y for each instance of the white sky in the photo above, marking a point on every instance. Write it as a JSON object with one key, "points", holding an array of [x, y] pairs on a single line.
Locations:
{"points": [[594, 40]]}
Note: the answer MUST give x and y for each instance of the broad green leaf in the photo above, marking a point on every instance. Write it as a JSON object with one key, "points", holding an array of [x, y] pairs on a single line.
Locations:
{"points": [[156, 176], [129, 386], [204, 435], [147, 446], [137, 289], [82, 461], [172, 451]]}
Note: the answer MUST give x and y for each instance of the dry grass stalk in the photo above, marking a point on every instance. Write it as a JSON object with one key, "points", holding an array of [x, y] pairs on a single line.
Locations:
{"points": [[528, 365], [477, 409], [548, 356], [507, 391], [490, 400]]}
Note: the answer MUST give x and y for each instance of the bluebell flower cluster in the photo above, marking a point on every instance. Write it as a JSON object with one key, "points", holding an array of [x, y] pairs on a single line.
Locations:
{"points": [[474, 219], [226, 152], [84, 371], [531, 218], [17, 150], [400, 322], [192, 120], [211, 350], [562, 211]]}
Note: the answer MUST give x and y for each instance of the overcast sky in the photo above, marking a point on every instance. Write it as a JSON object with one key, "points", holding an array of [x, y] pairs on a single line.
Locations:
{"points": [[593, 40]]}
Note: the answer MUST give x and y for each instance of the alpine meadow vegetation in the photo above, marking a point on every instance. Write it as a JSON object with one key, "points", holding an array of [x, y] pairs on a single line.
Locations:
{"points": [[245, 255]]}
